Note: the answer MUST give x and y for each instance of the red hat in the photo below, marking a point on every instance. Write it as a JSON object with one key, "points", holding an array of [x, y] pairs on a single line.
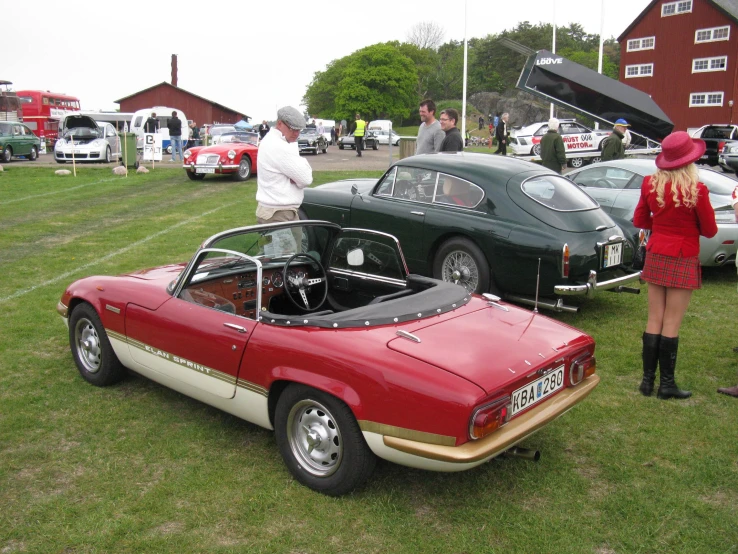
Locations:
{"points": [[678, 150]]}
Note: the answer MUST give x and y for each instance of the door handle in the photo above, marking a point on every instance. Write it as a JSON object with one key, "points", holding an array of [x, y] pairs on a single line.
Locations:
{"points": [[236, 327], [418, 213]]}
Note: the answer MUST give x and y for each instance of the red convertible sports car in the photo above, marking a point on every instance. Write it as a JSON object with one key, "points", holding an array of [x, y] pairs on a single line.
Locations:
{"points": [[235, 156], [319, 333]]}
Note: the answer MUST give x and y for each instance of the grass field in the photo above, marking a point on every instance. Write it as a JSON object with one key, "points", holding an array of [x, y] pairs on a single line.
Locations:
{"points": [[139, 468]]}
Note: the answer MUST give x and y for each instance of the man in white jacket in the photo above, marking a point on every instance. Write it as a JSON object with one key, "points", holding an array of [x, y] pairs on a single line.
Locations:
{"points": [[282, 174]]}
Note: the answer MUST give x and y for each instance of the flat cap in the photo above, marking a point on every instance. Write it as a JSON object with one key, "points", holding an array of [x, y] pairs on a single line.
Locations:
{"points": [[291, 117]]}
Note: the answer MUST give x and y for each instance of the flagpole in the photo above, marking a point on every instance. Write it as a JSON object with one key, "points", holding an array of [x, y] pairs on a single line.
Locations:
{"points": [[463, 105], [602, 39], [553, 47]]}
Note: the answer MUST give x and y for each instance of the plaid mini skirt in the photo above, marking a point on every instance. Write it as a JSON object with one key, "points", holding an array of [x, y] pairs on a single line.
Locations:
{"points": [[668, 271]]}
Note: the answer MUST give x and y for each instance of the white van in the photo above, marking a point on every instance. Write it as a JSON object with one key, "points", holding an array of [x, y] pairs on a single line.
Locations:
{"points": [[380, 125], [162, 114], [327, 124]]}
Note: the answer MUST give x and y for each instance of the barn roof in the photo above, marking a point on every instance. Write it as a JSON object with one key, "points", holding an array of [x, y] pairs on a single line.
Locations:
{"points": [[221, 106]]}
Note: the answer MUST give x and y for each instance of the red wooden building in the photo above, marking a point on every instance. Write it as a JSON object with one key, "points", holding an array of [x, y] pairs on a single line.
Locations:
{"points": [[685, 55], [195, 107]]}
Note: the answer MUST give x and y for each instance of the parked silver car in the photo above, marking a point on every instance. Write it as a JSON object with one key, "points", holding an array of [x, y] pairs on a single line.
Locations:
{"points": [[616, 186], [87, 140], [383, 137]]}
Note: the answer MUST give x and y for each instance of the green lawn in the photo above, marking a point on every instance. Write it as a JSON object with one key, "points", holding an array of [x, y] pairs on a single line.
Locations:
{"points": [[139, 468]]}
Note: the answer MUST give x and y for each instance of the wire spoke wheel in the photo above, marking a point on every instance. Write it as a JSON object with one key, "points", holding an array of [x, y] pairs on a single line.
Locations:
{"points": [[459, 267], [314, 438]]}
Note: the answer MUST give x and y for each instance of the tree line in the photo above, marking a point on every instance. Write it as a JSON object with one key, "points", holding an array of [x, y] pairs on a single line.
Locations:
{"points": [[388, 80]]}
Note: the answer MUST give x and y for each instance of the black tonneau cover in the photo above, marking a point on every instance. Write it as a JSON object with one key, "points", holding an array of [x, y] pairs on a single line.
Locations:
{"points": [[582, 90]]}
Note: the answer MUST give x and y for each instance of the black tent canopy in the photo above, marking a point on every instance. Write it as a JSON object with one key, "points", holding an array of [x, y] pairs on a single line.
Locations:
{"points": [[578, 88]]}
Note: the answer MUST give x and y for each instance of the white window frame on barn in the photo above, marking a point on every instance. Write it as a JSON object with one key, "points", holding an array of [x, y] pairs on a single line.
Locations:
{"points": [[706, 99], [639, 70], [645, 43], [705, 65], [712, 32], [676, 8]]}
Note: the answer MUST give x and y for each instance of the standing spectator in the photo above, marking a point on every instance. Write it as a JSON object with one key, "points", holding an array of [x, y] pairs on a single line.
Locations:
{"points": [[175, 136], [732, 391], [311, 125], [283, 174], [359, 132], [319, 127], [501, 134], [481, 122], [152, 124], [334, 134], [430, 134], [496, 120], [453, 141], [675, 206], [263, 129], [194, 133], [553, 152], [491, 133], [614, 148]]}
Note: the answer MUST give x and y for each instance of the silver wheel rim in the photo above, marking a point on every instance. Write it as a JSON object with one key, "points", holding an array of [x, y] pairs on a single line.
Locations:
{"points": [[314, 438], [596, 160], [460, 268], [576, 162], [107, 155], [7, 155], [243, 169], [537, 150], [33, 153], [87, 343]]}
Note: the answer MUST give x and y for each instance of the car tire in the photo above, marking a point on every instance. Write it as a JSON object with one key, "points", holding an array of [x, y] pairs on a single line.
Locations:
{"points": [[7, 154], [341, 460], [91, 348], [595, 160], [340, 146], [108, 155], [169, 149], [325, 150], [195, 176], [244, 169], [536, 151], [576, 162], [375, 146], [60, 161], [463, 256]]}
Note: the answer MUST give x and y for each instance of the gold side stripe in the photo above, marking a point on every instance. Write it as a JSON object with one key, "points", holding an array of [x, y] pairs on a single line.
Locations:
{"points": [[210, 372], [409, 434]]}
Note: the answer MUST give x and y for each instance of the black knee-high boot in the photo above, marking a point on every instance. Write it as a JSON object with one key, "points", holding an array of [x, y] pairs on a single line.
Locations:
{"points": [[650, 362], [667, 364]]}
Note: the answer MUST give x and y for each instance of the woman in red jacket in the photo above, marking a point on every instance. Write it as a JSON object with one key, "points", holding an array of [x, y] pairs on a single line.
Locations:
{"points": [[675, 206]]}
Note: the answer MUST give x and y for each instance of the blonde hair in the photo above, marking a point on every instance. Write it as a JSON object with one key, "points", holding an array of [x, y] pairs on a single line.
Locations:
{"points": [[683, 180]]}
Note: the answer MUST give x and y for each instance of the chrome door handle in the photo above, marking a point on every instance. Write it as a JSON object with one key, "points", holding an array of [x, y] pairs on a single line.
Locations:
{"points": [[418, 213], [236, 327]]}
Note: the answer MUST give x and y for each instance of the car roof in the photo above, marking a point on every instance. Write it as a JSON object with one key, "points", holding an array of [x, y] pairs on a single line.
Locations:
{"points": [[473, 167]]}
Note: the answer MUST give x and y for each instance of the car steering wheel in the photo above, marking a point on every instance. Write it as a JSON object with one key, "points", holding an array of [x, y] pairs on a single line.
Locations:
{"points": [[603, 183], [294, 285]]}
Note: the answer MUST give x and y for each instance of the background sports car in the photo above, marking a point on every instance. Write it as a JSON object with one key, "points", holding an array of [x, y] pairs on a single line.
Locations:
{"points": [[310, 140], [319, 333], [577, 138], [485, 222], [235, 156], [370, 141], [87, 140], [616, 186]]}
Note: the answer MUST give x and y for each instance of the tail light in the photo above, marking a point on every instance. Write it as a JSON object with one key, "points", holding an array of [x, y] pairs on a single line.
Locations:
{"points": [[565, 261], [721, 145], [581, 368], [488, 418]]}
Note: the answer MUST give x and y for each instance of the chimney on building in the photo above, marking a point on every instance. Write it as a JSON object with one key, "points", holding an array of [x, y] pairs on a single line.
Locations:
{"points": [[174, 70]]}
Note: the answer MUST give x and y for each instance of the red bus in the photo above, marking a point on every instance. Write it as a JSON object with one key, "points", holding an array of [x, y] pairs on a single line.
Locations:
{"points": [[42, 110]]}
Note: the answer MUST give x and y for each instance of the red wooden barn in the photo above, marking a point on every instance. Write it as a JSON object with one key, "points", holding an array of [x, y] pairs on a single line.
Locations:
{"points": [[195, 107], [685, 55]]}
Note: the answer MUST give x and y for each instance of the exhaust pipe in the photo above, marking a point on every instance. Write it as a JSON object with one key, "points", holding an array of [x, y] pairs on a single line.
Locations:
{"points": [[526, 454], [720, 259]]}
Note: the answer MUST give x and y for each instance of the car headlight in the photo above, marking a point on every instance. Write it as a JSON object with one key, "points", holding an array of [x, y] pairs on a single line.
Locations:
{"points": [[187, 153], [61, 142], [312, 142], [231, 154], [731, 150], [97, 143]]}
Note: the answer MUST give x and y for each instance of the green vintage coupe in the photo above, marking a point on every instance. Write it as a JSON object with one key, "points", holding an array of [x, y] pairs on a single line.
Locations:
{"points": [[17, 140], [490, 223]]}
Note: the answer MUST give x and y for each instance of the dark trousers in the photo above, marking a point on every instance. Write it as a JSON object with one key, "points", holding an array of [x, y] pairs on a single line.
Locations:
{"points": [[501, 148], [359, 145]]}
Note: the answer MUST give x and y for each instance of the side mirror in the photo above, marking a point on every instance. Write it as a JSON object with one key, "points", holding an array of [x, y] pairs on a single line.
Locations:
{"points": [[355, 257], [354, 189]]}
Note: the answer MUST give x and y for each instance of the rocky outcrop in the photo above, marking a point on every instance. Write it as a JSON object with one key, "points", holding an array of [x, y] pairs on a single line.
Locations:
{"points": [[523, 108]]}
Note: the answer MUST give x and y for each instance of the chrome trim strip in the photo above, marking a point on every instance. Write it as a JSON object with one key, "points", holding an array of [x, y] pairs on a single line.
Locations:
{"points": [[397, 242], [407, 335], [407, 434], [112, 309], [369, 276], [61, 309]]}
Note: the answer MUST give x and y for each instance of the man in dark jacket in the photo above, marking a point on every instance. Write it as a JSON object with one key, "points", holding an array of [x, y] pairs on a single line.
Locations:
{"points": [[453, 141], [501, 134], [263, 129], [175, 136], [613, 148], [553, 152], [152, 124]]}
